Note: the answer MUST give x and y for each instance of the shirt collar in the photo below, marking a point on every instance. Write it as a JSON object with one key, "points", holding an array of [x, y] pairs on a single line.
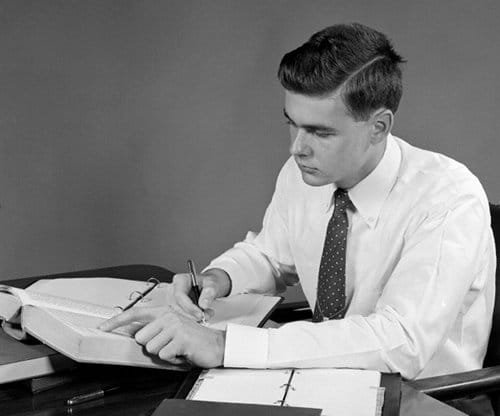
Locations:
{"points": [[368, 196]]}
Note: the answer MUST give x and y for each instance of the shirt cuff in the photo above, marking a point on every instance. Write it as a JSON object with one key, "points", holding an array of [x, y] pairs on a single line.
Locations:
{"points": [[246, 346]]}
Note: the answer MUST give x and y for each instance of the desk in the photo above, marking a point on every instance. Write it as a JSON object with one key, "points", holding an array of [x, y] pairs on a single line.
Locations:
{"points": [[142, 399], [150, 386]]}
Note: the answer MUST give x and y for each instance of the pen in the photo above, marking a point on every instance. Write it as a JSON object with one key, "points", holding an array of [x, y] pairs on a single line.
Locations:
{"points": [[194, 285], [93, 395]]}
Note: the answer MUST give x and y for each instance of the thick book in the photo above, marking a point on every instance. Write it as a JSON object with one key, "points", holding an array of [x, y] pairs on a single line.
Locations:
{"points": [[339, 392], [65, 313]]}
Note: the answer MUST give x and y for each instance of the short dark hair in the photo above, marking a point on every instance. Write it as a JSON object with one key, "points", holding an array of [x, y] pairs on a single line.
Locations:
{"points": [[353, 59]]}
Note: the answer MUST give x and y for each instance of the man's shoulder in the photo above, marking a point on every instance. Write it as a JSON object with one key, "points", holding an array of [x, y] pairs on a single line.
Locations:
{"points": [[435, 177], [419, 164]]}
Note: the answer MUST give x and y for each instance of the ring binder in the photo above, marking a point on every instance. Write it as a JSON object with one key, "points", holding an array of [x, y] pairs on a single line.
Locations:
{"points": [[141, 296], [342, 392], [131, 295]]}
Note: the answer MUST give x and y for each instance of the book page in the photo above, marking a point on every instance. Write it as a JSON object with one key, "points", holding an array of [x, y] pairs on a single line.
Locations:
{"points": [[339, 392], [104, 291], [241, 386], [61, 303]]}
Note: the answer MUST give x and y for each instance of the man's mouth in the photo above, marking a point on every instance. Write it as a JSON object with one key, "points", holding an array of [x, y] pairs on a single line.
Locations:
{"points": [[307, 169]]}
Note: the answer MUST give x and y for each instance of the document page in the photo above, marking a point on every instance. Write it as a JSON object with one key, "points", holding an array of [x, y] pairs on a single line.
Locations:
{"points": [[241, 386], [339, 392], [104, 291]]}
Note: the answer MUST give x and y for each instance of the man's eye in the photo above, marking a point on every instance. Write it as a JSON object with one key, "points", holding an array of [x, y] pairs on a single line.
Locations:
{"points": [[322, 135]]}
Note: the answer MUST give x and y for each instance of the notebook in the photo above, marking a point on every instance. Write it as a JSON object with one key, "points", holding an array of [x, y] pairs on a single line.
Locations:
{"points": [[339, 392], [64, 314]]}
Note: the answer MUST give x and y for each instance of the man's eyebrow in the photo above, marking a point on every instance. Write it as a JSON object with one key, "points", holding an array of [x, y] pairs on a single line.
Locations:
{"points": [[310, 127]]}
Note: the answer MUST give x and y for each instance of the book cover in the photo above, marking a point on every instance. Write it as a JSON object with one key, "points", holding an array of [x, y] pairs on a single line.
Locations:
{"points": [[21, 360]]}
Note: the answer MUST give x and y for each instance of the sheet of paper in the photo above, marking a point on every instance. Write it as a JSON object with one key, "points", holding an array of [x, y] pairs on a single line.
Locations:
{"points": [[241, 386], [339, 392], [247, 309]]}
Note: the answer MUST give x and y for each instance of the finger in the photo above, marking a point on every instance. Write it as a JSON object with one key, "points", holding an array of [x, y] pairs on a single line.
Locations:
{"points": [[179, 360], [208, 294], [172, 353], [158, 342], [182, 287], [182, 282], [148, 332], [127, 317], [209, 313]]}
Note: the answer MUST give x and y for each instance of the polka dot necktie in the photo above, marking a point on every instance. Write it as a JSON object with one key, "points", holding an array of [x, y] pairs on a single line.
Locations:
{"points": [[330, 301]]}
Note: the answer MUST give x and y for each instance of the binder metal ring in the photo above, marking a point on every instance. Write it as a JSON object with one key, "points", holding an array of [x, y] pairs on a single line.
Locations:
{"points": [[140, 295]]}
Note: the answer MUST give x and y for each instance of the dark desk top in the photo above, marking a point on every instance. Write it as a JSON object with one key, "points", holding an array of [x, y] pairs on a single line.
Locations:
{"points": [[141, 391]]}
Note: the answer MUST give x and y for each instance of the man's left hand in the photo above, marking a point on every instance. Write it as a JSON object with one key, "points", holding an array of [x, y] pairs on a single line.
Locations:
{"points": [[172, 336]]}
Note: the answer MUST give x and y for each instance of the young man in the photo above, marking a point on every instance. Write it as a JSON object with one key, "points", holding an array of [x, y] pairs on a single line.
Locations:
{"points": [[392, 244]]}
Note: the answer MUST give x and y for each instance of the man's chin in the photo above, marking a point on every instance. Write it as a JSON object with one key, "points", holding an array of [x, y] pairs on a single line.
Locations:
{"points": [[314, 180]]}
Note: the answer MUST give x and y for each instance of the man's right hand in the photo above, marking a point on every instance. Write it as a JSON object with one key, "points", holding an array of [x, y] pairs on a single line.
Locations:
{"points": [[214, 283]]}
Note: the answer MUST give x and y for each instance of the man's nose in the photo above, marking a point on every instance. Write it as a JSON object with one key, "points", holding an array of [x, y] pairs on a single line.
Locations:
{"points": [[299, 145]]}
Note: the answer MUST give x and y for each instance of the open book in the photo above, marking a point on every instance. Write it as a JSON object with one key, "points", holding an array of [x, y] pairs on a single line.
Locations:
{"points": [[64, 314], [339, 392]]}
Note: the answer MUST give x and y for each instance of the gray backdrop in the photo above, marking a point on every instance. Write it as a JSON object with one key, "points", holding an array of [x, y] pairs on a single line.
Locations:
{"points": [[152, 131]]}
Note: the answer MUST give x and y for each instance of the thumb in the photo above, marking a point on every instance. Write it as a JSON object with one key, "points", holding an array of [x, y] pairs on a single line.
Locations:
{"points": [[207, 296]]}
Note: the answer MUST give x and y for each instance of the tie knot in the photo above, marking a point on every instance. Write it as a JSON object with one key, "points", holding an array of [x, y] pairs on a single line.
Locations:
{"points": [[342, 199]]}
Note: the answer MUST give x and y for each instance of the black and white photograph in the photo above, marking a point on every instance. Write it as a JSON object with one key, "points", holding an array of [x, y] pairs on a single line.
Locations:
{"points": [[254, 207]]}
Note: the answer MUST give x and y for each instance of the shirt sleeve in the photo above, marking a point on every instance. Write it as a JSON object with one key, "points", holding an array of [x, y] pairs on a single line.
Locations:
{"points": [[435, 280], [263, 262]]}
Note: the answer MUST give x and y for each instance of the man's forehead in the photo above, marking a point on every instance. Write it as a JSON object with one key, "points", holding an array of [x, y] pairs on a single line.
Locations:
{"points": [[304, 109]]}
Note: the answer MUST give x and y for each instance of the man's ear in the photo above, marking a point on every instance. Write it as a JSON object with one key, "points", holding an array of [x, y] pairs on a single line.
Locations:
{"points": [[382, 121]]}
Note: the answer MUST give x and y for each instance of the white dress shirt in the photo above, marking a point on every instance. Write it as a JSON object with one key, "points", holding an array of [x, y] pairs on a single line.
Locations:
{"points": [[420, 266]]}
